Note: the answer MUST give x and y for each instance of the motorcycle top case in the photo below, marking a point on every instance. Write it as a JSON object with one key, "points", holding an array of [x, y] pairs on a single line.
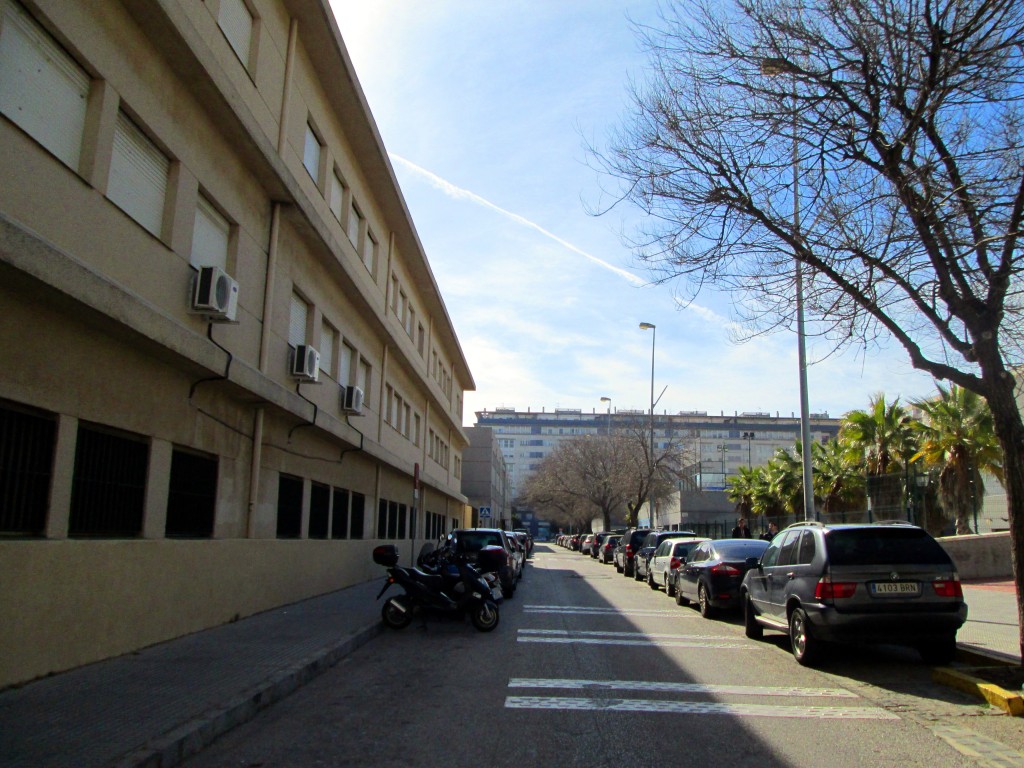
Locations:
{"points": [[491, 558], [386, 554]]}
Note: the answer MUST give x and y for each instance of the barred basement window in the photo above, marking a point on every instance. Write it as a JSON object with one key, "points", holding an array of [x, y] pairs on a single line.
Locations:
{"points": [[382, 519], [357, 515], [192, 496], [27, 440], [108, 490], [339, 515], [289, 507], [319, 510]]}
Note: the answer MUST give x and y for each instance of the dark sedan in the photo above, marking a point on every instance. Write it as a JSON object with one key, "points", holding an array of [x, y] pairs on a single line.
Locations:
{"points": [[713, 572]]}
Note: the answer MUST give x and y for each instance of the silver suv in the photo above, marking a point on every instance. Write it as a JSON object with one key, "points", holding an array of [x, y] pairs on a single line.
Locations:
{"points": [[881, 583]]}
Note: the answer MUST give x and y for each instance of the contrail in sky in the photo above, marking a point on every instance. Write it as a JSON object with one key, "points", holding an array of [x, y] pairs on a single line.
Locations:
{"points": [[459, 193]]}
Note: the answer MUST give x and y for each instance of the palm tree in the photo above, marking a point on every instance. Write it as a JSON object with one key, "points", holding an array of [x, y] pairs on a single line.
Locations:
{"points": [[958, 436], [741, 490], [838, 479], [786, 479], [884, 438]]}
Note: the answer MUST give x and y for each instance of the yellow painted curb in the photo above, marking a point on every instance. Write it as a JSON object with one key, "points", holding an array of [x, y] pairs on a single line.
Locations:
{"points": [[1009, 702]]}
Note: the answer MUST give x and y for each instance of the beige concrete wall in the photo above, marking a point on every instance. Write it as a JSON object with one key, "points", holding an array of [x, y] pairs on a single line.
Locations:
{"points": [[68, 603], [984, 556]]}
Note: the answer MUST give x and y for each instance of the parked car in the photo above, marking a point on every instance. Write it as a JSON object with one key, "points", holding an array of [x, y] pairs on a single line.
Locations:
{"points": [[527, 539], [713, 572], [887, 583], [627, 548], [667, 559], [641, 570], [606, 553], [586, 543], [471, 540], [599, 539]]}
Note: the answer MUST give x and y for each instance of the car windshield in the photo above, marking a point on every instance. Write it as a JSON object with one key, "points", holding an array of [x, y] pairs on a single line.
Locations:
{"points": [[883, 546], [741, 550]]}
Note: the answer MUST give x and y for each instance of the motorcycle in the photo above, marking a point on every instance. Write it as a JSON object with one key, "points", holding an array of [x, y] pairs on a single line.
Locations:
{"points": [[455, 592]]}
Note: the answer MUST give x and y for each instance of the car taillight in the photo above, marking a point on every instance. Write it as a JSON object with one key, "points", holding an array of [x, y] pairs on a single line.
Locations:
{"points": [[830, 590], [674, 563], [629, 550], [949, 587], [722, 569]]}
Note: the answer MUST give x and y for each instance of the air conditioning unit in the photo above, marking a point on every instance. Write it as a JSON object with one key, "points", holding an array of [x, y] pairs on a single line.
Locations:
{"points": [[352, 399], [215, 294], [305, 363]]}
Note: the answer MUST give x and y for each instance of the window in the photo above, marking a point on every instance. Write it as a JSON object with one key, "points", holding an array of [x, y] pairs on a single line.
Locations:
{"points": [[421, 340], [357, 515], [337, 195], [319, 510], [42, 90], [27, 440], [236, 22], [211, 234], [289, 507], [363, 380], [339, 514], [369, 252], [192, 495], [311, 154], [138, 176], [108, 489], [327, 341], [297, 319], [355, 225], [348, 354]]}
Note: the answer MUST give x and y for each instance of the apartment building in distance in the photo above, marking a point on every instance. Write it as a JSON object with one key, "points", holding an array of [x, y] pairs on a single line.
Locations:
{"points": [[225, 359], [713, 448]]}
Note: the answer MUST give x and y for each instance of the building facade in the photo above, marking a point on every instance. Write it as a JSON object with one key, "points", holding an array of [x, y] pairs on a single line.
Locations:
{"points": [[485, 479], [226, 362], [714, 448]]}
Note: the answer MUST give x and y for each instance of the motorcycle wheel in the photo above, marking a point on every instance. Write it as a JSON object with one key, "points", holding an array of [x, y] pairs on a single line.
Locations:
{"points": [[393, 616], [485, 616]]}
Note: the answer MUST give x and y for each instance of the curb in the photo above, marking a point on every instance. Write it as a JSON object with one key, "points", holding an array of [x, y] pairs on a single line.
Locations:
{"points": [[1009, 702], [190, 737]]}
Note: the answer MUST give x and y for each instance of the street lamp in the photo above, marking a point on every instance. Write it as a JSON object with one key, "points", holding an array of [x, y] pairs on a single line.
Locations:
{"points": [[748, 436], [609, 401], [650, 478], [772, 67]]}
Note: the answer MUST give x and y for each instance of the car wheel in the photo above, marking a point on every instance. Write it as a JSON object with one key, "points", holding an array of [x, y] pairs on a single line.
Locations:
{"points": [[806, 648], [618, 567], [680, 600], [704, 601], [627, 571], [636, 573], [508, 589], [940, 650], [751, 628], [651, 582], [670, 588]]}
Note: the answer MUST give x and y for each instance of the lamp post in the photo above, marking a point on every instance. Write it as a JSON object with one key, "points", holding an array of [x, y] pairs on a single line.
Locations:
{"points": [[748, 436], [650, 467], [772, 67], [609, 401]]}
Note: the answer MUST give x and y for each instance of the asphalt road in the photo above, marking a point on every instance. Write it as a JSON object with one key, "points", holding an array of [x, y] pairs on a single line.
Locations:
{"points": [[589, 668]]}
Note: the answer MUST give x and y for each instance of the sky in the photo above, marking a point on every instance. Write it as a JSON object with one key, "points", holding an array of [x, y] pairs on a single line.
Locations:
{"points": [[486, 109]]}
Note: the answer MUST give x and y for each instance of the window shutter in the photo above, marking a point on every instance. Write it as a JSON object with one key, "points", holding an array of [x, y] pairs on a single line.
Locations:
{"points": [[311, 154], [297, 321], [327, 349], [210, 236], [42, 89], [235, 22], [337, 195], [138, 176]]}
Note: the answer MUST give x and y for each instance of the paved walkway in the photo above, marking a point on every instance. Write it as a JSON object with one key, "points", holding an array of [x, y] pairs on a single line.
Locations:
{"points": [[152, 707]]}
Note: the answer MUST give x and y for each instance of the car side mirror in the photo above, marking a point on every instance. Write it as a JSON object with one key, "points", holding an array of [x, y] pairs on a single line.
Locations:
{"points": [[753, 562], [682, 561]]}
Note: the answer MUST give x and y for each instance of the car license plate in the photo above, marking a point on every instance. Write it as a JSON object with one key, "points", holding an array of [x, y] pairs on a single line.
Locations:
{"points": [[895, 588], [496, 593]]}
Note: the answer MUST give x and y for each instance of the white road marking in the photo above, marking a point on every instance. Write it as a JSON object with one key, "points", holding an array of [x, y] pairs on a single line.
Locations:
{"points": [[633, 685], [592, 611], [642, 642], [633, 635], [652, 706]]}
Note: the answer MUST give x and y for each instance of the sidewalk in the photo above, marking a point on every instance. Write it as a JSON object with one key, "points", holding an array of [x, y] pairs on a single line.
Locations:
{"points": [[155, 706], [152, 707]]}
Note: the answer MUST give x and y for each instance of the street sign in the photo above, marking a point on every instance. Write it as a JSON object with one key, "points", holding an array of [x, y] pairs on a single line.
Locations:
{"points": [[485, 513]]}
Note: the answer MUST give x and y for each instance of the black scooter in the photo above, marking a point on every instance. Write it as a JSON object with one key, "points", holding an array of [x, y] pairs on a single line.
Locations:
{"points": [[468, 593]]}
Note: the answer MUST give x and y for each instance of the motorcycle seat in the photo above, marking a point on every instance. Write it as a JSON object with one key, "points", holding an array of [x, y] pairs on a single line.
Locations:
{"points": [[427, 579]]}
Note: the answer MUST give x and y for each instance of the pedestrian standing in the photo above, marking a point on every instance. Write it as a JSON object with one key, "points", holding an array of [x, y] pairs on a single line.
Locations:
{"points": [[741, 531], [770, 533]]}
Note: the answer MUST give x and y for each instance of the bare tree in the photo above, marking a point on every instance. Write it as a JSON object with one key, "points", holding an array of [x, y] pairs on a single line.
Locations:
{"points": [[878, 143]]}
